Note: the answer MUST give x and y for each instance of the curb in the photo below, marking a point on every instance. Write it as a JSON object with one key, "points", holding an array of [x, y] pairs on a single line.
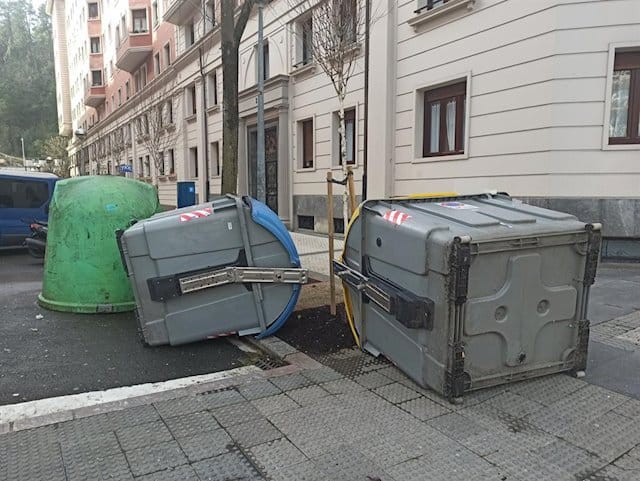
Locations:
{"points": [[296, 361]]}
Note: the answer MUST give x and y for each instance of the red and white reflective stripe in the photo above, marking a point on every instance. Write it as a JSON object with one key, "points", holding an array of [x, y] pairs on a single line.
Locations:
{"points": [[196, 214], [223, 334], [396, 216]]}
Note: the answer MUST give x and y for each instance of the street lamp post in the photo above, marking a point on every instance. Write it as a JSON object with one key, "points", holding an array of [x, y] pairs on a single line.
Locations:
{"points": [[24, 158], [260, 154]]}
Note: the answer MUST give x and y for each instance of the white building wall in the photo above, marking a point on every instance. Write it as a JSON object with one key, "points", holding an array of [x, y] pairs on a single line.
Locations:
{"points": [[538, 89]]}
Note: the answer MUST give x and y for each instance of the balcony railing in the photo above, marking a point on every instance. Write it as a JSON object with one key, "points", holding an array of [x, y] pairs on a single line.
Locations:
{"points": [[133, 50]]}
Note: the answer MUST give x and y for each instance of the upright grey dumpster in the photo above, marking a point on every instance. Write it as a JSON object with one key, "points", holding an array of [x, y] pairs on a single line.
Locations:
{"points": [[468, 292], [228, 266]]}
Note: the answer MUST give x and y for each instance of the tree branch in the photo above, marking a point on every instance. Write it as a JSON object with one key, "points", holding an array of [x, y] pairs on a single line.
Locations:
{"points": [[241, 21]]}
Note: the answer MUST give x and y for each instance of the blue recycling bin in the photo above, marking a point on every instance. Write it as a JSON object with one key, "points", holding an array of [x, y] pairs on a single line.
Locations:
{"points": [[186, 193]]}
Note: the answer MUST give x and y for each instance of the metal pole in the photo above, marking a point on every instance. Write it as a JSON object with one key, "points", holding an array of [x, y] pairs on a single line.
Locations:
{"points": [[260, 155], [332, 279], [24, 158], [365, 159]]}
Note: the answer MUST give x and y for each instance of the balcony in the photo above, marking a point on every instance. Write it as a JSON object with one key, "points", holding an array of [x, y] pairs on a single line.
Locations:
{"points": [[134, 50], [178, 12], [95, 96]]}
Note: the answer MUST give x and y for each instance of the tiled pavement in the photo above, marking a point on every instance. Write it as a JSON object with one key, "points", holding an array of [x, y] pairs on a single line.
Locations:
{"points": [[355, 418], [314, 252]]}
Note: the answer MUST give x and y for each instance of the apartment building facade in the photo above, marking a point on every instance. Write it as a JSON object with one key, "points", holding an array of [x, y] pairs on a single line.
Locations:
{"points": [[540, 99]]}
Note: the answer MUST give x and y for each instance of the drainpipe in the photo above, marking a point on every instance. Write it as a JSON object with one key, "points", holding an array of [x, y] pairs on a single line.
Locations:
{"points": [[365, 157]]}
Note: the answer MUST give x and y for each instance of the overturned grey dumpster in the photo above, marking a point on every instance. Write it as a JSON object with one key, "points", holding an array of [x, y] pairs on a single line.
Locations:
{"points": [[228, 266], [467, 292]]}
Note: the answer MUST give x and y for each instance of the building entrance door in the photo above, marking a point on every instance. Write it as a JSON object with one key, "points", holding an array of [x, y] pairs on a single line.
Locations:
{"points": [[271, 164]]}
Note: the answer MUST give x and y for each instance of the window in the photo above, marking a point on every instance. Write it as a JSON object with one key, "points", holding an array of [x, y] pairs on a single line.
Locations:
{"points": [[444, 118], [95, 44], [96, 78], [139, 21], [169, 111], [143, 75], [193, 159], [306, 131], [307, 41], [624, 122], [93, 10], [192, 104], [350, 134], [215, 159], [212, 89], [167, 55], [265, 66], [172, 162], [147, 166], [140, 167], [156, 63], [154, 10], [113, 101], [349, 16], [161, 166], [127, 90], [159, 115], [136, 81], [20, 194], [306, 222], [119, 96], [211, 15], [189, 34], [430, 4], [117, 36]]}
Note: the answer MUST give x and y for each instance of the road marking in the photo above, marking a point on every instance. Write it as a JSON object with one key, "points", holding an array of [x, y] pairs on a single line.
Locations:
{"points": [[41, 407]]}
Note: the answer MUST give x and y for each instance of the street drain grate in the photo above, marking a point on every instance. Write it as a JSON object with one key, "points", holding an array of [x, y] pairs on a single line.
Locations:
{"points": [[267, 362]]}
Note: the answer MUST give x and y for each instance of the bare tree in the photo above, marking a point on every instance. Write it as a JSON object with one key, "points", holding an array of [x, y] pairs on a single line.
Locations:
{"points": [[157, 128], [232, 27], [96, 152], [332, 35], [118, 146]]}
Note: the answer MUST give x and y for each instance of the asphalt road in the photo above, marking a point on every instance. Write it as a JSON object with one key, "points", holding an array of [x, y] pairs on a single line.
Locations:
{"points": [[69, 353]]}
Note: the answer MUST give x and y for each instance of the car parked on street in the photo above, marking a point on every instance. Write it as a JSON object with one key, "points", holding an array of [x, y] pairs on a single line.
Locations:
{"points": [[24, 199]]}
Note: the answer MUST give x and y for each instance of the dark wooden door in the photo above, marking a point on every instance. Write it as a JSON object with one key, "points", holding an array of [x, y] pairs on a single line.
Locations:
{"points": [[271, 164]]}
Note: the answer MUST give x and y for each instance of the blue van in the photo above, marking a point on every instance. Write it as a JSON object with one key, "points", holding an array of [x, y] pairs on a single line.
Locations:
{"points": [[24, 197]]}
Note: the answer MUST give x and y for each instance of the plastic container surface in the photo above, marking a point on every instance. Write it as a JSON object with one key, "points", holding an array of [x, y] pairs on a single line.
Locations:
{"points": [[83, 268], [227, 266], [467, 292]]}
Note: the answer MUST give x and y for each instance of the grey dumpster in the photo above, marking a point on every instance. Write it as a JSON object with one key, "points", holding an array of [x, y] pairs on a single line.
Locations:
{"points": [[468, 292], [228, 266]]}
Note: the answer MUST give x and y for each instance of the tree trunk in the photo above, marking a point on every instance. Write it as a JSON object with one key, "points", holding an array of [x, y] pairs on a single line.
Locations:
{"points": [[343, 155], [230, 118]]}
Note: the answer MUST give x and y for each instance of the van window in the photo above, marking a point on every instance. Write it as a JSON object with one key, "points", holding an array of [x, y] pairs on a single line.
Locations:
{"points": [[23, 194]]}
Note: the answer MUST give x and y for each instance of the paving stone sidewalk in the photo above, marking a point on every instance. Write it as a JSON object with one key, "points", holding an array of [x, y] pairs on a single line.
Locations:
{"points": [[354, 418]]}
